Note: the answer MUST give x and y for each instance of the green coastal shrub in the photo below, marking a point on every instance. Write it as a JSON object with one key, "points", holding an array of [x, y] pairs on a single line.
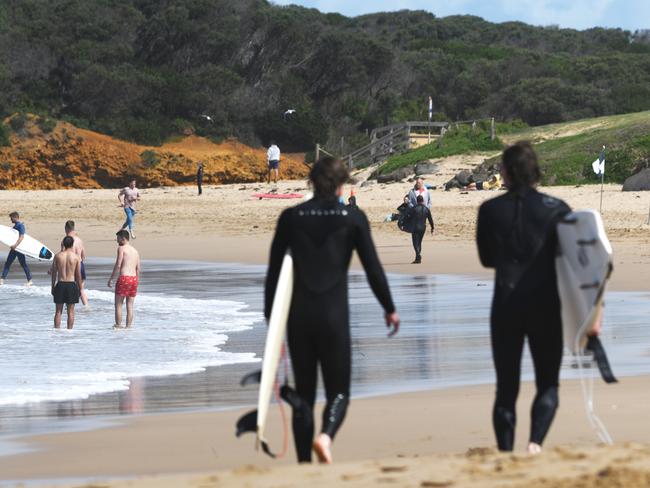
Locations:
{"points": [[150, 158]]}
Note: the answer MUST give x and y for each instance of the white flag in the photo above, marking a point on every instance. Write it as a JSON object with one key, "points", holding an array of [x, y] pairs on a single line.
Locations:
{"points": [[599, 165], [430, 108]]}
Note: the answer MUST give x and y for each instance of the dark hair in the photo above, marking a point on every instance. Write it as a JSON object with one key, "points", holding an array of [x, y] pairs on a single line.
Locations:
{"points": [[14, 215], [69, 225], [68, 242], [271, 142], [123, 234], [420, 199], [327, 175], [520, 165]]}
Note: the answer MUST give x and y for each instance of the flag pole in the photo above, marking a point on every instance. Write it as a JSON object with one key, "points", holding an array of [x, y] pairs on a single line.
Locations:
{"points": [[602, 183]]}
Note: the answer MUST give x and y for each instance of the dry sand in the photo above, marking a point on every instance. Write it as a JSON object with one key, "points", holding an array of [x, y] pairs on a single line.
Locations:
{"points": [[398, 440]]}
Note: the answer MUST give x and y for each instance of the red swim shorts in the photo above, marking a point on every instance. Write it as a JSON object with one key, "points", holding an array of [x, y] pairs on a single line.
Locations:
{"points": [[127, 286]]}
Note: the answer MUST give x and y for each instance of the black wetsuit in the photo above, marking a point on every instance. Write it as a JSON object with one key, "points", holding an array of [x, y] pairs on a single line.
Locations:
{"points": [[517, 235], [199, 179], [321, 235], [419, 216]]}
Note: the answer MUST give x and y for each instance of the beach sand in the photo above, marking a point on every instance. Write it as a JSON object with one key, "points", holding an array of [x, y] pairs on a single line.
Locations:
{"points": [[404, 440]]}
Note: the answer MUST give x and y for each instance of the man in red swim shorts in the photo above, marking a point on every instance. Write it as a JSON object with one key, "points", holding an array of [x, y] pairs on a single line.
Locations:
{"points": [[127, 268]]}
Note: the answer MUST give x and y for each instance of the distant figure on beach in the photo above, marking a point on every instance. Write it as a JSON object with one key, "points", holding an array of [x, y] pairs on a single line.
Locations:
{"points": [[66, 281], [13, 254], [273, 158], [128, 197], [321, 235], [516, 235], [418, 217], [199, 178], [79, 249], [127, 268], [419, 189]]}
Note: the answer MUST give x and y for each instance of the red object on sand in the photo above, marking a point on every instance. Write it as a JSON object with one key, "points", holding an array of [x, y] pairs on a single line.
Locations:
{"points": [[277, 195]]}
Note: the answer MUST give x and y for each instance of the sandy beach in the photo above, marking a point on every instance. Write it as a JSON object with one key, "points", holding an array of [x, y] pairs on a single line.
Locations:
{"points": [[429, 438]]}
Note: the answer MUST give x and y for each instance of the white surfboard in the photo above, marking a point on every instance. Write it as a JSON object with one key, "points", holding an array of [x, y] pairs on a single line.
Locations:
{"points": [[29, 246], [583, 267], [274, 339]]}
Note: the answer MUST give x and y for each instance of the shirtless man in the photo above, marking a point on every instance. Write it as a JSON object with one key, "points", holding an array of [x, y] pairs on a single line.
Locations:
{"points": [[127, 268], [128, 197], [67, 269], [79, 249]]}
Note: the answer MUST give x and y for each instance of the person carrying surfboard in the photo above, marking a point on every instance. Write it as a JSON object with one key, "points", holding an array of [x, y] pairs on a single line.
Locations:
{"points": [[13, 254], [517, 235], [321, 235]]}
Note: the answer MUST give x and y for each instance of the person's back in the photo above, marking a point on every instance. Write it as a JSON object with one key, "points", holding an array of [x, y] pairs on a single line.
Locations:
{"points": [[130, 260], [66, 263], [516, 236], [321, 235], [420, 215]]}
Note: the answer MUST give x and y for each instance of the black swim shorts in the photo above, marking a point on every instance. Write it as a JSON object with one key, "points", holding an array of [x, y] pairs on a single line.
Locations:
{"points": [[66, 292]]}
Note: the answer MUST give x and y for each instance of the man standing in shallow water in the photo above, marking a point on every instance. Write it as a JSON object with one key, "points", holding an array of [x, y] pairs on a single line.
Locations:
{"points": [[127, 267], [79, 250], [67, 270]]}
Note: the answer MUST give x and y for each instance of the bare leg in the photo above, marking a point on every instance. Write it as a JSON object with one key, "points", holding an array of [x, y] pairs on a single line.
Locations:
{"points": [[276, 173], [57, 315], [129, 310], [269, 177], [70, 308], [84, 297], [119, 300]]}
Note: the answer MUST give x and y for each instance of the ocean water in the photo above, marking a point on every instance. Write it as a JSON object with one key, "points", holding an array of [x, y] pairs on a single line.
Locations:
{"points": [[199, 329], [175, 333]]}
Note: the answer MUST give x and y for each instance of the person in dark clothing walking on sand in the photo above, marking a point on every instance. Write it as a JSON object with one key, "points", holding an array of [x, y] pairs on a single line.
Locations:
{"points": [[321, 235], [418, 216], [516, 235], [199, 178]]}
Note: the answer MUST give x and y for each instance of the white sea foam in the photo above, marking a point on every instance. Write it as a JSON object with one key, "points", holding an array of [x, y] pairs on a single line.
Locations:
{"points": [[172, 335]]}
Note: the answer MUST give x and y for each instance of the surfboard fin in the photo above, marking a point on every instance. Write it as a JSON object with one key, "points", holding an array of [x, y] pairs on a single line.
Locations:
{"points": [[596, 347], [247, 423], [251, 378]]}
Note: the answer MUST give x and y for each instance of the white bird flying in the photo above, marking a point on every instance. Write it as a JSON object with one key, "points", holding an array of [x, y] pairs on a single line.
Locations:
{"points": [[207, 117], [288, 112]]}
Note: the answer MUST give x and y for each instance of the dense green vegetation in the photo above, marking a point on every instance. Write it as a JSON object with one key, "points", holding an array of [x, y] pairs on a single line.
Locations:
{"points": [[146, 70], [462, 140]]}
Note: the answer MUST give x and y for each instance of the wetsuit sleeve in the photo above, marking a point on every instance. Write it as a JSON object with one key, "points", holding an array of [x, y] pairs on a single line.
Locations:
{"points": [[370, 260], [278, 250], [483, 240], [430, 218]]}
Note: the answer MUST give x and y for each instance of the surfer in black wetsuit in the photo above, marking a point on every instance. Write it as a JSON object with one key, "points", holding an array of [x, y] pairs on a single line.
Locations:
{"points": [[321, 235], [516, 235]]}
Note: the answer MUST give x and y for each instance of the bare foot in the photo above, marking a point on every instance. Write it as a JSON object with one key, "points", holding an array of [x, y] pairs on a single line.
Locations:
{"points": [[117, 326], [321, 447], [29, 283], [534, 449]]}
